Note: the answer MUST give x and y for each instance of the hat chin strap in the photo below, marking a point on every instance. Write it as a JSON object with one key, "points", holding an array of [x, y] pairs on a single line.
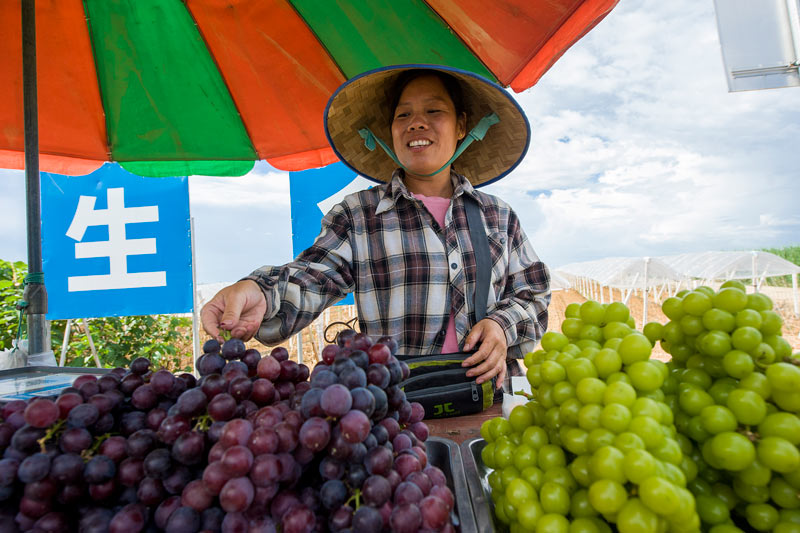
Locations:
{"points": [[476, 134]]}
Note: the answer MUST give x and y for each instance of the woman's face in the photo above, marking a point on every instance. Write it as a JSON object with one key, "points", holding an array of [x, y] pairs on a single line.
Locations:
{"points": [[425, 127]]}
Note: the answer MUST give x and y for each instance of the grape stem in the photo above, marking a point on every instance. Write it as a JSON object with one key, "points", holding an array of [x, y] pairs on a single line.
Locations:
{"points": [[225, 334], [525, 394], [51, 432], [89, 453], [356, 497], [203, 422], [762, 365], [750, 434]]}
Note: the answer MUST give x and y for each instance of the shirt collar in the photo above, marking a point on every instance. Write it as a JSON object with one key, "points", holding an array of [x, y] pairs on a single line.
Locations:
{"points": [[396, 188]]}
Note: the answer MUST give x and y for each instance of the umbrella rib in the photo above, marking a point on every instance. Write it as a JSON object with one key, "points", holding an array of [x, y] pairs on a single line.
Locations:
{"points": [[94, 60], [553, 31], [321, 43], [465, 45], [222, 76]]}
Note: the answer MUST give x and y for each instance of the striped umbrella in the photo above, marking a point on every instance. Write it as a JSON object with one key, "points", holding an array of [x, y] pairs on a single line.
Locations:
{"points": [[179, 87]]}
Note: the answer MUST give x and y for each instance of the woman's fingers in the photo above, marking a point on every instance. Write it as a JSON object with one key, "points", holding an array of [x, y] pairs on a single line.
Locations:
{"points": [[238, 308], [481, 334], [490, 357], [490, 367], [501, 376], [234, 302], [210, 315]]}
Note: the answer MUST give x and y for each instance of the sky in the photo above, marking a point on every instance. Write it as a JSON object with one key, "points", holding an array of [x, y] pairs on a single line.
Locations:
{"points": [[637, 149]]}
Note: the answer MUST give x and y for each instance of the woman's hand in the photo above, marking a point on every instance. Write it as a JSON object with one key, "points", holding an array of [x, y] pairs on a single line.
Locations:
{"points": [[491, 354], [238, 308]]}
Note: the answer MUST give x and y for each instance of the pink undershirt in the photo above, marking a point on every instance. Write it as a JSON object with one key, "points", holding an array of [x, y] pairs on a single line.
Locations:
{"points": [[438, 208]]}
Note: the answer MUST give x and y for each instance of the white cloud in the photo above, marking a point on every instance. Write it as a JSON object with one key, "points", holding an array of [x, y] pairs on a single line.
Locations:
{"points": [[644, 150], [13, 242], [269, 189]]}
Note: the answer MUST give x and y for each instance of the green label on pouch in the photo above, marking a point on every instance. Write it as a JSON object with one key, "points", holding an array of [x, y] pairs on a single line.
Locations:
{"points": [[443, 409]]}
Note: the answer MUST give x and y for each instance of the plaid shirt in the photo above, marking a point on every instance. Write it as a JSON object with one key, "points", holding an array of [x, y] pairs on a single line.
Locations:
{"points": [[407, 272]]}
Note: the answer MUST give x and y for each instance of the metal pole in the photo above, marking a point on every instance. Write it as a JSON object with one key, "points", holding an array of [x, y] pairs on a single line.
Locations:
{"points": [[321, 331], [65, 344], [34, 293], [793, 10], [195, 311], [300, 348], [91, 342], [794, 295], [645, 290]]}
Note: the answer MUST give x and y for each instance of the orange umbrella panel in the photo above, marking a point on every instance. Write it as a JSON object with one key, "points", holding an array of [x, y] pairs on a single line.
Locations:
{"points": [[72, 128]]}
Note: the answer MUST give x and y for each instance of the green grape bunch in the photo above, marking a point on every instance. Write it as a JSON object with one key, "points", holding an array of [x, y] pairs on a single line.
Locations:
{"points": [[734, 389], [596, 448]]}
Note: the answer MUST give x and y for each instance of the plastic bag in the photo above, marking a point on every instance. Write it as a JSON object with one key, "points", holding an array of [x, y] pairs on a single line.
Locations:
{"points": [[13, 358], [511, 400]]}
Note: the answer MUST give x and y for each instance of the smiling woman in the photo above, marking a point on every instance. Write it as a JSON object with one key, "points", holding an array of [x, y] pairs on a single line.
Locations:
{"points": [[495, 132], [427, 125], [406, 248]]}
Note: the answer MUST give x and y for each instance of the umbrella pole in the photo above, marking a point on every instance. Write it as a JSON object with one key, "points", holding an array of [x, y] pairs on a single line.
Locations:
{"points": [[35, 294]]}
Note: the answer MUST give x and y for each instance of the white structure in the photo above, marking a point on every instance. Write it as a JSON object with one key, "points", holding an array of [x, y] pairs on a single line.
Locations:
{"points": [[666, 275], [707, 267], [626, 274], [558, 282], [760, 43]]}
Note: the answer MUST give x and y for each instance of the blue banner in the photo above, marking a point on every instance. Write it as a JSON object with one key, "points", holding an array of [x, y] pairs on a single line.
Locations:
{"points": [[116, 244], [312, 193]]}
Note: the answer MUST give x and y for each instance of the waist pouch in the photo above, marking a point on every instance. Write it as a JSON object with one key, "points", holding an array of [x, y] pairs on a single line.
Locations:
{"points": [[441, 385]]}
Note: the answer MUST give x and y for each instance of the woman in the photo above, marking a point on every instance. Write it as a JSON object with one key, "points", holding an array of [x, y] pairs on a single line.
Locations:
{"points": [[404, 247]]}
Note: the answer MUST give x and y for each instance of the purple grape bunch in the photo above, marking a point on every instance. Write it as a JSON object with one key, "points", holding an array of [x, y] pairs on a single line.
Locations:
{"points": [[255, 444]]}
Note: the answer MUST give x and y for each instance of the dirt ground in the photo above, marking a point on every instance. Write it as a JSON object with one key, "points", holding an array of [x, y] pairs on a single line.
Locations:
{"points": [[335, 318]]}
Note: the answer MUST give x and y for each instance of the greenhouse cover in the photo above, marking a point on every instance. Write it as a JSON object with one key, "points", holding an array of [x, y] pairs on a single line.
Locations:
{"points": [[641, 272], [711, 266], [672, 272], [623, 272]]}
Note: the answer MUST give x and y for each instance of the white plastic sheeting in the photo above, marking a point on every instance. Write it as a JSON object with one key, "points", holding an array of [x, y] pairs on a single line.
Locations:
{"points": [[623, 272], [711, 266], [668, 274], [558, 282], [648, 274], [757, 266]]}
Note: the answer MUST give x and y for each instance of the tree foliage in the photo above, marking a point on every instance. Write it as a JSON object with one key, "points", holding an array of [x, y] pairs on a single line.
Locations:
{"points": [[790, 253], [118, 340], [11, 278]]}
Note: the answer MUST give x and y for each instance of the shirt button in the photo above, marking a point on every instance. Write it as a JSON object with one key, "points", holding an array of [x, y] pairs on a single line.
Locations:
{"points": [[454, 265], [441, 334]]}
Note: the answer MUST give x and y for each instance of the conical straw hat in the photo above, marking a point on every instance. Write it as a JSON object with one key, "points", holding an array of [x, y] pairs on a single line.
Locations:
{"points": [[364, 101]]}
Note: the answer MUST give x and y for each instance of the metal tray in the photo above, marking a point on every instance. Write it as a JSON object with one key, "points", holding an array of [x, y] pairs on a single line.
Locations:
{"points": [[445, 454], [28, 382], [477, 475], [52, 370]]}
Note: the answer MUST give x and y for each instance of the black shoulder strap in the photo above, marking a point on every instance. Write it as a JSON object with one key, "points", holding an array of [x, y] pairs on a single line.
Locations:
{"points": [[483, 265]]}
